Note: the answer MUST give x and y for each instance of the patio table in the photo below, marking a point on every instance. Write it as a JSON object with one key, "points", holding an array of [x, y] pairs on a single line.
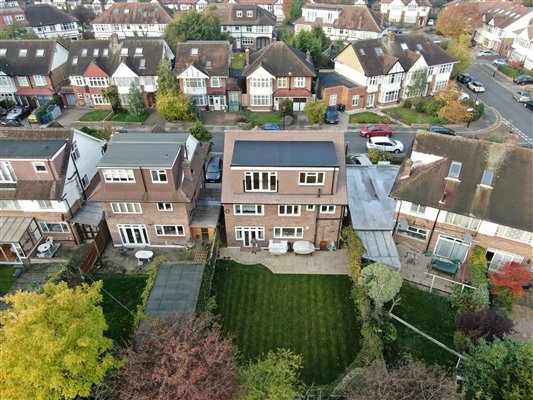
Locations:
{"points": [[144, 255], [44, 248]]}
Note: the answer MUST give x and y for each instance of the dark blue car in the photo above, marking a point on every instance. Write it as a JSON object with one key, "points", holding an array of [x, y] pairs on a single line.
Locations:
{"points": [[332, 115]]}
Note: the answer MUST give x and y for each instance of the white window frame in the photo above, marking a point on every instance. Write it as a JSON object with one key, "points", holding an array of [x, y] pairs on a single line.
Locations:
{"points": [[23, 80], [305, 176], [282, 82], [118, 176], [215, 82], [456, 242], [40, 80], [454, 165], [249, 13], [245, 209], [259, 180], [502, 258], [261, 100], [159, 176], [98, 81], [79, 80], [85, 181], [239, 14], [126, 208], [40, 164], [488, 175], [98, 99], [164, 207], [75, 152], [45, 227], [417, 209], [260, 82], [310, 207], [247, 41], [300, 82], [453, 219], [280, 234], [7, 174], [327, 209], [413, 232], [333, 99], [45, 204], [160, 230], [289, 210], [514, 234], [9, 205]]}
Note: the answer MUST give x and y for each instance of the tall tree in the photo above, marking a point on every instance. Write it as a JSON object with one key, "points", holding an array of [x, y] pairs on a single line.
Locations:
{"points": [[295, 11], [314, 41], [381, 283], [459, 19], [513, 276], [454, 110], [52, 344], [200, 132], [112, 96], [167, 81], [84, 15], [17, 31], [500, 370], [180, 357], [461, 49], [136, 101], [175, 107], [273, 377]]}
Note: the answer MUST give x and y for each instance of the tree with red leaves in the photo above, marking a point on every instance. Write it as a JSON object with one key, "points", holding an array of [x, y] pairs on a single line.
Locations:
{"points": [[180, 357], [513, 276], [487, 324]]}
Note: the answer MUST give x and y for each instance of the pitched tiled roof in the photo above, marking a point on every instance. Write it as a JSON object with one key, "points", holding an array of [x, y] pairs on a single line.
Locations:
{"points": [[509, 202], [211, 57], [293, 61], [45, 14], [377, 56], [504, 13], [421, 3], [134, 13], [225, 14], [353, 18], [271, 2], [152, 54], [13, 64]]}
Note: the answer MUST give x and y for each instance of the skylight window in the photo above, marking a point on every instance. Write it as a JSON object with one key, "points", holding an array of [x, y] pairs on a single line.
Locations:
{"points": [[404, 46], [362, 51], [142, 63], [455, 170], [106, 52], [39, 53], [96, 52], [23, 52], [84, 53], [124, 52], [74, 60], [486, 180], [419, 47], [208, 64], [378, 51], [3, 52], [194, 51], [139, 51], [126, 11]]}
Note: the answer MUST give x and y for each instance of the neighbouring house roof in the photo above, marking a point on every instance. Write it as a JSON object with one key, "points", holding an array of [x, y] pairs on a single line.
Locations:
{"points": [[378, 56], [284, 154], [510, 200], [294, 62], [34, 149], [14, 64], [528, 30], [210, 57], [45, 14], [134, 13], [352, 18], [290, 153], [421, 3], [503, 13], [146, 64], [329, 79], [226, 15]]}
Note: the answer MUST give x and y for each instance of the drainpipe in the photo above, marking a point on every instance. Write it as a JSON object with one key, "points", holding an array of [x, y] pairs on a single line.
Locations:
{"points": [[142, 178], [433, 230]]}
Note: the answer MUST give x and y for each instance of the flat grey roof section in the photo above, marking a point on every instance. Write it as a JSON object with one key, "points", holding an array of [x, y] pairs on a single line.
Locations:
{"points": [[333, 79], [368, 196], [205, 217], [149, 138], [13, 228], [140, 155], [380, 246], [90, 214], [176, 289], [284, 154], [38, 149]]}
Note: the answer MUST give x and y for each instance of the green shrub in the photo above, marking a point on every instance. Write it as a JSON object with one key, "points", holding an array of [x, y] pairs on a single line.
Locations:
{"points": [[407, 103], [385, 120], [479, 110], [470, 299], [438, 121], [315, 111], [419, 106], [478, 267], [377, 155], [432, 107], [505, 299], [462, 342]]}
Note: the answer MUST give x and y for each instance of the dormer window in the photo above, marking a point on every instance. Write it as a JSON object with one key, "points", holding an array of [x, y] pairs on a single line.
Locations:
{"points": [[239, 14], [194, 51], [142, 63], [249, 13], [208, 64], [3, 52], [486, 180], [39, 53], [404, 46], [455, 170], [124, 52], [126, 11], [139, 51], [84, 53], [74, 60], [106, 52], [23, 52]]}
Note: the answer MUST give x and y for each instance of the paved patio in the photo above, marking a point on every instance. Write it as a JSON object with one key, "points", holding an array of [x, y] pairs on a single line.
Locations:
{"points": [[318, 263]]}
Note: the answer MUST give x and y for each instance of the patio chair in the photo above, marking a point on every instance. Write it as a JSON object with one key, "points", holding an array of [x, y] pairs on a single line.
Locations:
{"points": [[50, 240]]}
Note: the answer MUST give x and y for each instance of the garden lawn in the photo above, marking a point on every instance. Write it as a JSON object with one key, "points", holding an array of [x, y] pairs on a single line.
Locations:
{"points": [[409, 116], [263, 118], [127, 117], [7, 279], [433, 315], [365, 117], [95, 116], [313, 315], [127, 289], [238, 61]]}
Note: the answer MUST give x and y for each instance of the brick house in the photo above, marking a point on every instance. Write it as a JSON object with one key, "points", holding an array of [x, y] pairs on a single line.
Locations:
{"points": [[44, 177], [202, 68], [250, 26], [31, 70], [283, 185], [405, 12], [389, 66], [449, 201], [48, 22], [12, 13], [94, 65], [268, 81], [335, 89], [186, 5], [272, 6], [523, 47], [132, 20], [150, 197]]}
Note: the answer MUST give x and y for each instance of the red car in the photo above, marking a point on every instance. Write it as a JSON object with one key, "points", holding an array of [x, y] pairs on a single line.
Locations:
{"points": [[376, 130]]}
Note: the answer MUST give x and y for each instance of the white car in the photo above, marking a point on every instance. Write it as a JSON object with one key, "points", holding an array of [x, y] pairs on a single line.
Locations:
{"points": [[463, 96], [521, 96], [384, 143], [476, 86], [484, 53]]}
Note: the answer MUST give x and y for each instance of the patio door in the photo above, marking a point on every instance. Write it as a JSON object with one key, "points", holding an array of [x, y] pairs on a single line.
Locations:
{"points": [[247, 233], [133, 235], [451, 248]]}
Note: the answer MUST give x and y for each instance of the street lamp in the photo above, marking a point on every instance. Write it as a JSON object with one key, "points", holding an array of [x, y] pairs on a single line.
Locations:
{"points": [[472, 112]]}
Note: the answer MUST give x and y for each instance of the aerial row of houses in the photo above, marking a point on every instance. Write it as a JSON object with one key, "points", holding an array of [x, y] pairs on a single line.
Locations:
{"points": [[292, 185]]}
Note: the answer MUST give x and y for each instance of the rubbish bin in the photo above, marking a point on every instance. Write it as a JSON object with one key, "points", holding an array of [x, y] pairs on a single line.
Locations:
{"points": [[44, 119], [341, 107]]}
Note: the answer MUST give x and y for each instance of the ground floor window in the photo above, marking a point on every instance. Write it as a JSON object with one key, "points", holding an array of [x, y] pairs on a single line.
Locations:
{"points": [[98, 99], [261, 100], [439, 86], [288, 233], [247, 41], [169, 230], [199, 100], [355, 100], [497, 259], [133, 234], [451, 248], [411, 231], [248, 233], [124, 98], [387, 97], [54, 227]]}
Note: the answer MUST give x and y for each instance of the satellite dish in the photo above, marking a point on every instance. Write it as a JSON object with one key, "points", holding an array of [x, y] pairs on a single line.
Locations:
{"points": [[468, 238], [404, 225]]}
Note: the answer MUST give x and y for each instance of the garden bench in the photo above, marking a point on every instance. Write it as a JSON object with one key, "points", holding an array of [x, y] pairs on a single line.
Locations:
{"points": [[449, 267]]}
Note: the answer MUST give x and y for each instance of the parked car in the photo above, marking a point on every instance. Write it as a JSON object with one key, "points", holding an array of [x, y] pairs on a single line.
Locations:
{"points": [[464, 78], [384, 143], [18, 112], [332, 115], [431, 22], [271, 127], [213, 172], [463, 96], [442, 129], [523, 80], [484, 53], [501, 61], [521, 96], [529, 104], [376, 130], [476, 86]]}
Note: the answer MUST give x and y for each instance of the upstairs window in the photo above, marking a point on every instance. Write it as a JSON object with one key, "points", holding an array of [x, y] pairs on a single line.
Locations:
{"points": [[311, 178], [455, 170], [159, 176], [327, 209], [300, 82], [45, 204], [239, 13], [418, 208], [260, 181], [40, 167], [75, 152], [486, 179], [164, 206], [289, 210], [6, 172], [119, 175], [39, 53]]}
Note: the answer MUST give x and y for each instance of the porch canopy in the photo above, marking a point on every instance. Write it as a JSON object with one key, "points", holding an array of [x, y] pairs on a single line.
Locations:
{"points": [[12, 229], [90, 214]]}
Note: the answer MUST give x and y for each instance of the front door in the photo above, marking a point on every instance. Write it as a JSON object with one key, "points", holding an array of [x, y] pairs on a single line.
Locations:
{"points": [[216, 103], [88, 102], [133, 235], [237, 43], [370, 100]]}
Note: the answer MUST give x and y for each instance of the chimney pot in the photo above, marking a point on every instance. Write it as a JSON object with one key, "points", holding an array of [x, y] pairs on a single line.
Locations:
{"points": [[246, 57], [406, 171]]}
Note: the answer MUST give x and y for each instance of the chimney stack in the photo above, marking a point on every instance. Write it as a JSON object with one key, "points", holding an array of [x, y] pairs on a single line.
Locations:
{"points": [[246, 57], [308, 56], [187, 171], [511, 138], [406, 170], [114, 40], [392, 36]]}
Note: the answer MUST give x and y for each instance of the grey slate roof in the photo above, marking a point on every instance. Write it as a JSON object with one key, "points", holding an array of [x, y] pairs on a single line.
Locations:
{"points": [[137, 13], [34, 149], [215, 52], [45, 14], [225, 14], [328, 79], [509, 202], [13, 65], [153, 50], [280, 60], [284, 154], [375, 64]]}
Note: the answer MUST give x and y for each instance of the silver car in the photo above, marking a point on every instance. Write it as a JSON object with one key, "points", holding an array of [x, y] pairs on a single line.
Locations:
{"points": [[521, 96]]}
